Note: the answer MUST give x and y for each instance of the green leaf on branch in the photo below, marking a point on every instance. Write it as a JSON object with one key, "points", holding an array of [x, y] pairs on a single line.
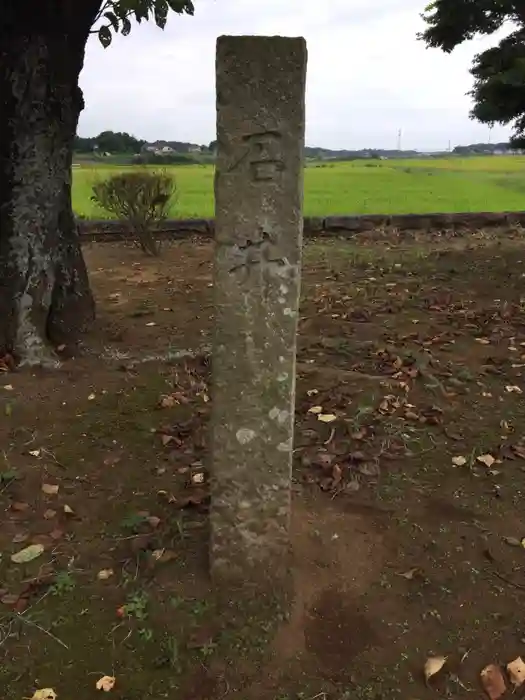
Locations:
{"points": [[119, 12], [126, 26], [113, 19], [181, 6], [104, 34], [161, 10]]}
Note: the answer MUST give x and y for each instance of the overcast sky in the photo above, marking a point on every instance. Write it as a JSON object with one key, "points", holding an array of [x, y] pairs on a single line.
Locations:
{"points": [[368, 76]]}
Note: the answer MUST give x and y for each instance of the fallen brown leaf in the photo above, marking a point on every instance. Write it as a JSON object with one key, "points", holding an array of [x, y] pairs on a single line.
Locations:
{"points": [[27, 554], [488, 460], [104, 574], [44, 694], [513, 389], [106, 683], [167, 402], [326, 417], [459, 461], [163, 555], [433, 665], [493, 681], [19, 507], [20, 537], [50, 489], [410, 574], [516, 671], [9, 599], [513, 541]]}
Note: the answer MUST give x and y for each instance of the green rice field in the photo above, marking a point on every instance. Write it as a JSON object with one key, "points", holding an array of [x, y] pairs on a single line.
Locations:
{"points": [[492, 183]]}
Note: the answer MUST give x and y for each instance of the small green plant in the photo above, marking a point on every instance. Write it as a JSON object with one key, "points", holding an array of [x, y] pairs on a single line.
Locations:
{"points": [[146, 634], [170, 654], [199, 607], [133, 522], [137, 606], [7, 477], [207, 650], [64, 583]]}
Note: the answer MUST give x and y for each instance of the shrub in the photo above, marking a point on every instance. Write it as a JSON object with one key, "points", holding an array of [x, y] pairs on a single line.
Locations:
{"points": [[140, 198]]}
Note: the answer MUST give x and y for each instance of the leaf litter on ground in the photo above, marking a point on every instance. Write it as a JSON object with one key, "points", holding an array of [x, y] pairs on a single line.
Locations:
{"points": [[106, 683], [44, 694], [105, 574], [493, 681], [326, 417], [27, 554], [433, 666], [459, 461], [516, 671], [514, 541], [488, 460]]}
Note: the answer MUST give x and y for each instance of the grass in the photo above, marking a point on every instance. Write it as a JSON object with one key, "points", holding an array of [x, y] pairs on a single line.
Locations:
{"points": [[373, 187]]}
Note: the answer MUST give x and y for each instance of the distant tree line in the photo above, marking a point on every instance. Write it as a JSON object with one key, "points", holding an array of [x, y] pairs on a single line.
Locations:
{"points": [[109, 142], [317, 153], [162, 152], [122, 143], [482, 148]]}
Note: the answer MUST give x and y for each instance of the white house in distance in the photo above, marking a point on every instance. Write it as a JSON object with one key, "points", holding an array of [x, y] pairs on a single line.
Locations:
{"points": [[164, 148]]}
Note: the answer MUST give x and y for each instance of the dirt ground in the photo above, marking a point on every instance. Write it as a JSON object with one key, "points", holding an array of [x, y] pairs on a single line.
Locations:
{"points": [[408, 508]]}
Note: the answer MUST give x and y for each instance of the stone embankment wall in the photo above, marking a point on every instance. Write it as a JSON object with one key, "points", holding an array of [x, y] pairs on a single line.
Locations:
{"points": [[342, 226]]}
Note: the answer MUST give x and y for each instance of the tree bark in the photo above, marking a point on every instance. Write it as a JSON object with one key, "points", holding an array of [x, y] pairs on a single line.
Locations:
{"points": [[45, 298]]}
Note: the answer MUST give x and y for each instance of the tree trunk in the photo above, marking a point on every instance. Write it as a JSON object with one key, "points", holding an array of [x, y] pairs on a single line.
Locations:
{"points": [[45, 299]]}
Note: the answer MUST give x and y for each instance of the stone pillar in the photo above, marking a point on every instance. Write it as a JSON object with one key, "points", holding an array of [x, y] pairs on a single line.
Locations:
{"points": [[258, 215]]}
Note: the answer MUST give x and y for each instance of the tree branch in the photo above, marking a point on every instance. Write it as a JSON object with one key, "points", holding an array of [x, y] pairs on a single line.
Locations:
{"points": [[103, 9]]}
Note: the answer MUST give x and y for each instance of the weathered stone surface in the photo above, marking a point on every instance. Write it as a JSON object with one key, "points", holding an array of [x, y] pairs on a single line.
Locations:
{"points": [[258, 234]]}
